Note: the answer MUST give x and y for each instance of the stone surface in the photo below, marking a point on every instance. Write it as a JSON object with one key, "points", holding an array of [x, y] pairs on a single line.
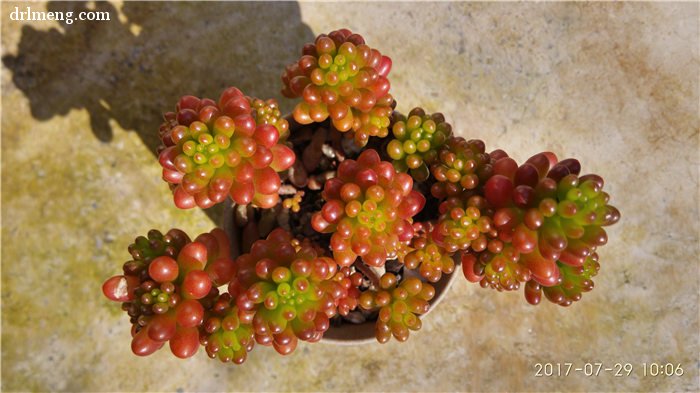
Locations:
{"points": [[615, 85]]}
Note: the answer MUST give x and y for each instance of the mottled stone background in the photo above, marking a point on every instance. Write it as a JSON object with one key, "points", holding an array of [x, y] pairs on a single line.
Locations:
{"points": [[615, 85]]}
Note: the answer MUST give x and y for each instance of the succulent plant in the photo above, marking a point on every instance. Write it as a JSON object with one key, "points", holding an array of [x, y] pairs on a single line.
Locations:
{"points": [[368, 209], [340, 77], [574, 281], [224, 334], [431, 259], [544, 218], [268, 112], [461, 166], [417, 139], [162, 287], [459, 224], [289, 288], [399, 304], [215, 150], [357, 228]]}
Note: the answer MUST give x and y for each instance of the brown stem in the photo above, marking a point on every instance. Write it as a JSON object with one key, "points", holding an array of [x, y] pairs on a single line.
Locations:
{"points": [[368, 271]]}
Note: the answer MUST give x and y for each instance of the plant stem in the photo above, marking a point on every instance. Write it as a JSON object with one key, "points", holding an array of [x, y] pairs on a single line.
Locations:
{"points": [[371, 273]]}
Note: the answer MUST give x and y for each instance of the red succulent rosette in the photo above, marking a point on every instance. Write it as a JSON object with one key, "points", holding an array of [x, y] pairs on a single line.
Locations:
{"points": [[460, 223], [369, 209], [431, 259], [163, 287], [217, 149], [345, 289], [574, 281], [400, 306], [340, 77], [545, 216], [462, 165], [288, 290], [417, 139], [268, 112], [225, 335]]}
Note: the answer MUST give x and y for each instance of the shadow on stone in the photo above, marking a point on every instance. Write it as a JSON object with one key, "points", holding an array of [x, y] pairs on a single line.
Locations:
{"points": [[131, 72]]}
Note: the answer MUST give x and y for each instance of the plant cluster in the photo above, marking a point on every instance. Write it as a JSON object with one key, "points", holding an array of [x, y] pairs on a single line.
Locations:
{"points": [[231, 148], [338, 220]]}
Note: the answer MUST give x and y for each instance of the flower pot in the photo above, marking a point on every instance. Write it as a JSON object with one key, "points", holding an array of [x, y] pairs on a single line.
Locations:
{"points": [[346, 333]]}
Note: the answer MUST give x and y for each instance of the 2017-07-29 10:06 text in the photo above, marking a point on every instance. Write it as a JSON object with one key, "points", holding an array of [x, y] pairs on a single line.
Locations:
{"points": [[67, 16], [617, 369]]}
